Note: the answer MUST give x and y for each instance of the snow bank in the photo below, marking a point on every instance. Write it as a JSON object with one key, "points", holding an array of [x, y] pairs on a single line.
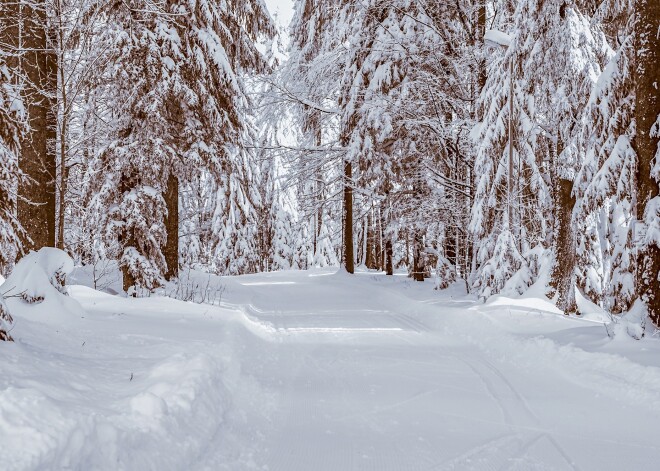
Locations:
{"points": [[128, 385], [608, 373], [155, 422]]}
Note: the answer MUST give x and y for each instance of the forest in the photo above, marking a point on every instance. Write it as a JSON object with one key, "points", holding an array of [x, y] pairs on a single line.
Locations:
{"points": [[499, 143], [329, 235]]}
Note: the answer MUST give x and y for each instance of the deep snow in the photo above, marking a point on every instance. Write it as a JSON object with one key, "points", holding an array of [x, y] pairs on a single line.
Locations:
{"points": [[323, 371]]}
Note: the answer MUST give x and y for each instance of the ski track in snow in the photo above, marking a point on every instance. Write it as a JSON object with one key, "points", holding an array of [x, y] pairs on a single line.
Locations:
{"points": [[315, 371]]}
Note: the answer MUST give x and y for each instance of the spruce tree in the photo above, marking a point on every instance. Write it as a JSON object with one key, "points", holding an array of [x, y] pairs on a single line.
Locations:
{"points": [[178, 105]]}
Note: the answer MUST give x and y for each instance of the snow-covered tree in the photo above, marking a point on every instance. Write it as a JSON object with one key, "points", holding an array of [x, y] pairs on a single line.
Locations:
{"points": [[311, 119], [552, 61], [177, 104], [562, 60], [603, 183], [11, 124]]}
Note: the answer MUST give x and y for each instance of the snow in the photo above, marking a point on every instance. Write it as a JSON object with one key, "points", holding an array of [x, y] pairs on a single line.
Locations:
{"points": [[497, 37], [35, 286], [320, 370]]}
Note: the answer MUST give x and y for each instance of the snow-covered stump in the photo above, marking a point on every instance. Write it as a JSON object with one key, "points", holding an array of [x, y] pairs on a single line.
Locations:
{"points": [[36, 286], [631, 324]]}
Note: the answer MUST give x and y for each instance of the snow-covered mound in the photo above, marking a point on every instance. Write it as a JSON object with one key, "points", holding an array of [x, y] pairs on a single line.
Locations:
{"points": [[36, 287]]}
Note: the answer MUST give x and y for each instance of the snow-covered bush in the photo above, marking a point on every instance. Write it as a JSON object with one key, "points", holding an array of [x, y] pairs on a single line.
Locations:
{"points": [[37, 286], [5, 321], [38, 275]]}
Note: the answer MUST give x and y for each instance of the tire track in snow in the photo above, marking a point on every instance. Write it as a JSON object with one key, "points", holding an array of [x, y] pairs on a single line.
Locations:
{"points": [[516, 414]]}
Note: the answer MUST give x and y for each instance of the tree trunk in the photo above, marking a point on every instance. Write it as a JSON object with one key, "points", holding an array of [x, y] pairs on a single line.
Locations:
{"points": [[36, 202], [389, 255], [349, 258], [64, 128], [480, 32], [171, 248], [418, 266], [562, 280], [647, 109]]}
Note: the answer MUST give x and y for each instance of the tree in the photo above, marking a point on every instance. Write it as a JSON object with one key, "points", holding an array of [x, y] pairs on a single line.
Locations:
{"points": [[646, 144], [38, 73], [560, 63], [506, 140], [178, 105], [314, 165]]}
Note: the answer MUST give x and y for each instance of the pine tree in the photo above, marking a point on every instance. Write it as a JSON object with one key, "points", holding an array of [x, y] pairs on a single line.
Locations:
{"points": [[11, 124], [602, 185], [561, 61], [179, 63]]}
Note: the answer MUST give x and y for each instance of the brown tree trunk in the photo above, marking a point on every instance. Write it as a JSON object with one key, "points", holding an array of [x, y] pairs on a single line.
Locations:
{"points": [[64, 128], [126, 239], [171, 248], [36, 202], [562, 280], [480, 32], [389, 255], [647, 109], [349, 258], [418, 251]]}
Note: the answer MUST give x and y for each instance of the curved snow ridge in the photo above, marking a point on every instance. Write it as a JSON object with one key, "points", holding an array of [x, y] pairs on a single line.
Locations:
{"points": [[157, 426], [607, 373]]}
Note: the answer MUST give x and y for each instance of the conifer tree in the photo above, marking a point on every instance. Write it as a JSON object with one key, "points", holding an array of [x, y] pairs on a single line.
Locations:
{"points": [[561, 61], [179, 63]]}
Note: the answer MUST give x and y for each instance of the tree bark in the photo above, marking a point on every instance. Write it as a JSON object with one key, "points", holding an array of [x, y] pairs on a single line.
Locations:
{"points": [[349, 258], [389, 255], [64, 128], [36, 193], [418, 248], [647, 109], [126, 239], [562, 279], [480, 32], [171, 248]]}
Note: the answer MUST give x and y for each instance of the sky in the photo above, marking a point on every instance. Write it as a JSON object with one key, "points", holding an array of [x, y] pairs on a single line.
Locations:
{"points": [[282, 8]]}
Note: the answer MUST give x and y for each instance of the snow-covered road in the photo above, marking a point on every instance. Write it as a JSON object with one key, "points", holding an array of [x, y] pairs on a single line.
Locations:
{"points": [[321, 371], [378, 374]]}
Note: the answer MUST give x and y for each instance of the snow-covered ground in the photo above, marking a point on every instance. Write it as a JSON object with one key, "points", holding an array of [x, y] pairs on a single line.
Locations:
{"points": [[323, 371]]}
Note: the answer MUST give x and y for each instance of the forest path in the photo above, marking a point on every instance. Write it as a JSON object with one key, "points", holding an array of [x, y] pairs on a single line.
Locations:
{"points": [[372, 373]]}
